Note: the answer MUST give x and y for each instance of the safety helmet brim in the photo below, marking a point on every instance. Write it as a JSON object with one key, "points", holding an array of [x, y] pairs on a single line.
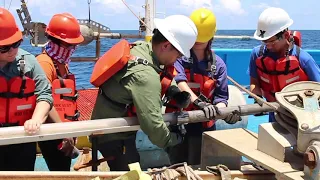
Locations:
{"points": [[12, 39], [77, 40], [161, 25], [258, 37]]}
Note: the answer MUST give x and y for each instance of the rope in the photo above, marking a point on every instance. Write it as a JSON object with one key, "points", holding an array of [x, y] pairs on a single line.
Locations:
{"points": [[173, 172], [136, 15], [260, 100]]}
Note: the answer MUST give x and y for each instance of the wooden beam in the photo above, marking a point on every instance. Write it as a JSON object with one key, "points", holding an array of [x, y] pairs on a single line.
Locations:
{"points": [[43, 175]]}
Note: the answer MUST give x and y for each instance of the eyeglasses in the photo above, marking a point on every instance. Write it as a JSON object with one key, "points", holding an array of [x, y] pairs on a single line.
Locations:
{"points": [[6, 48], [271, 43]]}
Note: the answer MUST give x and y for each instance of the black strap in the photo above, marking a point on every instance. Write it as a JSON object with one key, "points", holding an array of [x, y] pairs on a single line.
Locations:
{"points": [[112, 101], [286, 71], [145, 62], [70, 98], [214, 65], [261, 50], [21, 93], [16, 95], [193, 59], [9, 124], [74, 117]]}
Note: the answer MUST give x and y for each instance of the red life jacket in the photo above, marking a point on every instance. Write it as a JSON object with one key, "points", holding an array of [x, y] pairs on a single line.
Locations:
{"points": [[117, 58], [64, 93], [203, 86], [17, 98], [275, 75], [65, 96]]}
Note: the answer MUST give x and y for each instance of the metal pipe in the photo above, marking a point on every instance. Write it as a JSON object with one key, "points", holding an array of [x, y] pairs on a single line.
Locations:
{"points": [[84, 59], [117, 35], [17, 135]]}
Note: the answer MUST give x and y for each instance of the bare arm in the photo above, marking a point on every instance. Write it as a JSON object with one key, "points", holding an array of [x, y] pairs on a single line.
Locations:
{"points": [[39, 116], [255, 87], [54, 116]]}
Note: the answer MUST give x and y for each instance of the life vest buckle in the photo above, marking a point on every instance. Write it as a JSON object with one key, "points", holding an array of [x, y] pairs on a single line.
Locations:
{"points": [[75, 117], [138, 60], [145, 62]]}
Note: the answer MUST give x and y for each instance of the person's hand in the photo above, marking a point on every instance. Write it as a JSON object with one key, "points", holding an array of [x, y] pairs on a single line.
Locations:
{"points": [[233, 117], [67, 146], [210, 110], [32, 126]]}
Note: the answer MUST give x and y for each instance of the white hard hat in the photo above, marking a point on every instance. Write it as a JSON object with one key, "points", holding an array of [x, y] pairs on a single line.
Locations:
{"points": [[179, 30], [272, 21]]}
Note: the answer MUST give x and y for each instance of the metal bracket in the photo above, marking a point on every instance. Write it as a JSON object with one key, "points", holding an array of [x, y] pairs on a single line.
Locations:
{"points": [[95, 26]]}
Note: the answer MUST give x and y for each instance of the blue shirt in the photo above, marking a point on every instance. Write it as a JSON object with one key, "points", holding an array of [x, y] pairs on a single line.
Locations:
{"points": [[221, 93], [307, 63]]}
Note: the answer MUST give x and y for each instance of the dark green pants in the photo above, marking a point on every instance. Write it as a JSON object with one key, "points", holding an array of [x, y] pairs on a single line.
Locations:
{"points": [[190, 149], [18, 157], [55, 159], [124, 152]]}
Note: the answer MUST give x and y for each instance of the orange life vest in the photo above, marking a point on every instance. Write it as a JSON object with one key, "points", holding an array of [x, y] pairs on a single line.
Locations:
{"points": [[296, 35], [64, 93], [17, 98], [203, 86], [65, 96], [115, 59], [275, 75]]}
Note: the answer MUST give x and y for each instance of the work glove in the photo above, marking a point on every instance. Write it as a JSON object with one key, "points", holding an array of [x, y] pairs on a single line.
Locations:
{"points": [[182, 98], [233, 117], [210, 110]]}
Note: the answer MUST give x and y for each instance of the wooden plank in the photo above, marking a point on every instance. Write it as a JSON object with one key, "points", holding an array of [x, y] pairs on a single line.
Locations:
{"points": [[244, 142], [18, 175]]}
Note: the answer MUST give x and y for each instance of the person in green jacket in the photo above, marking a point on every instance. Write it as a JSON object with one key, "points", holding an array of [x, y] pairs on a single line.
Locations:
{"points": [[139, 85]]}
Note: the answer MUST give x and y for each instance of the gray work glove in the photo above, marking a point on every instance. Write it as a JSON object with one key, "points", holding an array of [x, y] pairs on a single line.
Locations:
{"points": [[233, 117], [210, 110]]}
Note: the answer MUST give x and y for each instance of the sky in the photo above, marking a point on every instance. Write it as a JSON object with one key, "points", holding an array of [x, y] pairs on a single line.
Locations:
{"points": [[230, 14]]}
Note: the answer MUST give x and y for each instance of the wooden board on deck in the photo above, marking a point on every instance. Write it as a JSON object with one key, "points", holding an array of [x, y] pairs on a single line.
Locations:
{"points": [[18, 175], [244, 142]]}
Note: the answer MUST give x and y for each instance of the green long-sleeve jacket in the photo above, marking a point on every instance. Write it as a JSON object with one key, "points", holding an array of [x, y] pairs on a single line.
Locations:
{"points": [[136, 84]]}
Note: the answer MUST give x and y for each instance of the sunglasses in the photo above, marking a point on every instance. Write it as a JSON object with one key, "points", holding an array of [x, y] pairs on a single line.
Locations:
{"points": [[6, 48]]}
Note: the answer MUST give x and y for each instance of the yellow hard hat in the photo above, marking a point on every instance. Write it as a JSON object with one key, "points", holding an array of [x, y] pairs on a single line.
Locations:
{"points": [[205, 21]]}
